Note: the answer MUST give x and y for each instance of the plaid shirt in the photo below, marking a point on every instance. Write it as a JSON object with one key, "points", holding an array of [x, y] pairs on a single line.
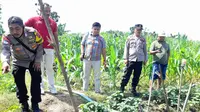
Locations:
{"points": [[93, 47]]}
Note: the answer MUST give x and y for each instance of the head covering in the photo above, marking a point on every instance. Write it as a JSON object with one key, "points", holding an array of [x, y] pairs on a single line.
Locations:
{"points": [[15, 20], [138, 26], [161, 34]]}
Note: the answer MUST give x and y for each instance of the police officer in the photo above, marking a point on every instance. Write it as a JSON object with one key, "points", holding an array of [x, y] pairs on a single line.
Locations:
{"points": [[135, 54], [25, 47]]}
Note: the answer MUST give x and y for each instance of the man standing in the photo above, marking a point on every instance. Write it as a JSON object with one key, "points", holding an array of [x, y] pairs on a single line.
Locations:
{"points": [[92, 47], [25, 46], [48, 58], [135, 54], [161, 52]]}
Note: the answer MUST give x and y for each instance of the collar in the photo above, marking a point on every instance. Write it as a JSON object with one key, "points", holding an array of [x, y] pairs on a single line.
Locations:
{"points": [[161, 41], [95, 35], [41, 18], [135, 37]]}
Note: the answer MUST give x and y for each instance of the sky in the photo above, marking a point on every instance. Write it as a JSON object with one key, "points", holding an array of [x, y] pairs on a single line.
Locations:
{"points": [[170, 16]]}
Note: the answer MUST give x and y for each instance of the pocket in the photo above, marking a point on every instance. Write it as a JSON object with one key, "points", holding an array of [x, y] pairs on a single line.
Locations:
{"points": [[132, 44], [15, 70], [33, 46], [141, 45], [19, 52]]}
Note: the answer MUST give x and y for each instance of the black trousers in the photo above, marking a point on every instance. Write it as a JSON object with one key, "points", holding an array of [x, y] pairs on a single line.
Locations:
{"points": [[137, 67], [19, 76]]}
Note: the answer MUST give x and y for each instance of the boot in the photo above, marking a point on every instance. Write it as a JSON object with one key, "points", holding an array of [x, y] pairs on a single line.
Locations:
{"points": [[35, 107], [25, 107]]}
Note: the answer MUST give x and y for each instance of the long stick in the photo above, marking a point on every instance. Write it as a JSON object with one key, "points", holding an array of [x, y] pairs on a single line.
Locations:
{"points": [[58, 55], [179, 95], [186, 100], [150, 92], [165, 93]]}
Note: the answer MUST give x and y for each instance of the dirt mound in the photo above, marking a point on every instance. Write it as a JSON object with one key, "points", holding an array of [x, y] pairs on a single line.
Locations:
{"points": [[59, 103]]}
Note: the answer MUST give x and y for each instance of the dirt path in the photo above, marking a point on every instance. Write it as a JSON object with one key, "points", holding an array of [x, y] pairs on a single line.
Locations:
{"points": [[58, 103]]}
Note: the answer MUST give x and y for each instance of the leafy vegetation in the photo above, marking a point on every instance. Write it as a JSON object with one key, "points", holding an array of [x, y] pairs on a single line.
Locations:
{"points": [[119, 102], [111, 76], [1, 27], [181, 48]]}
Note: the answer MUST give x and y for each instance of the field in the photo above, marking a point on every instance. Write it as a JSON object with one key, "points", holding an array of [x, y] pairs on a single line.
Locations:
{"points": [[111, 100]]}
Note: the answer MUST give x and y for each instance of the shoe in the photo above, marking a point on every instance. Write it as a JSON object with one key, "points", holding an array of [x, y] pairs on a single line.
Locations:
{"points": [[122, 89], [35, 107], [53, 90], [25, 107], [98, 92], [135, 93]]}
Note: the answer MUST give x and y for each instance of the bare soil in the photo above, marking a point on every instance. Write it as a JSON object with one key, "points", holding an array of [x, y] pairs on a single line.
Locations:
{"points": [[59, 103]]}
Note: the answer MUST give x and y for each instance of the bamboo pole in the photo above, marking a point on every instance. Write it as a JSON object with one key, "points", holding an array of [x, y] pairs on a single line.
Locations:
{"points": [[165, 93], [179, 95], [150, 92], [186, 100], [58, 55]]}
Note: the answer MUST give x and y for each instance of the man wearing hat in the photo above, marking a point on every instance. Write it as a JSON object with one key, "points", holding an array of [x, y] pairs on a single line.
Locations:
{"points": [[25, 47], [161, 52], [135, 54]]}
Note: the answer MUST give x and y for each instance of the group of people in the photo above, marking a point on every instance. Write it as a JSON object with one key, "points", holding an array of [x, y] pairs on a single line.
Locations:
{"points": [[29, 46], [135, 56]]}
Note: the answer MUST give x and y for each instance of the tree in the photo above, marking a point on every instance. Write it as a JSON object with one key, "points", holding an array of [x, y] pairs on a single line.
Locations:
{"points": [[55, 16], [1, 27]]}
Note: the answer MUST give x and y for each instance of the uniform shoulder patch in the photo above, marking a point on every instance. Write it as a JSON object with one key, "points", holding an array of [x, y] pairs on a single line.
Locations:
{"points": [[5, 39], [38, 38], [142, 39]]}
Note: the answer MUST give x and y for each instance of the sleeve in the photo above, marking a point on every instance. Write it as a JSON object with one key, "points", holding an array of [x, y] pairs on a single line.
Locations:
{"points": [[168, 49], [126, 50], [30, 22], [103, 43], [55, 27], [6, 52], [40, 49], [84, 39], [152, 47], [145, 51]]}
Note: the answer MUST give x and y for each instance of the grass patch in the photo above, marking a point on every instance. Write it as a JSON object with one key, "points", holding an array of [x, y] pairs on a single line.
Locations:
{"points": [[9, 102], [96, 97], [8, 99]]}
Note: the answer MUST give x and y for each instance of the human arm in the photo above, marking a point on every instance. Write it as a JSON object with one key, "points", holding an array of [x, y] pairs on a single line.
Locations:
{"points": [[126, 52], [5, 55]]}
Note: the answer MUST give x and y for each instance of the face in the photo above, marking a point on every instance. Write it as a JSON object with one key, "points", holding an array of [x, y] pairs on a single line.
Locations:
{"points": [[96, 30], [15, 30], [137, 31], [47, 11], [161, 38]]}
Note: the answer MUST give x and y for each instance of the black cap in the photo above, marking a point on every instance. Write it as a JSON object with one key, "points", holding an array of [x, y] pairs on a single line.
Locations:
{"points": [[15, 20], [138, 26], [96, 24]]}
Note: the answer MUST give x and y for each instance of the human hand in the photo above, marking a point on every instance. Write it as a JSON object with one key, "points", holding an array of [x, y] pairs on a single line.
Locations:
{"points": [[5, 67], [37, 66]]}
